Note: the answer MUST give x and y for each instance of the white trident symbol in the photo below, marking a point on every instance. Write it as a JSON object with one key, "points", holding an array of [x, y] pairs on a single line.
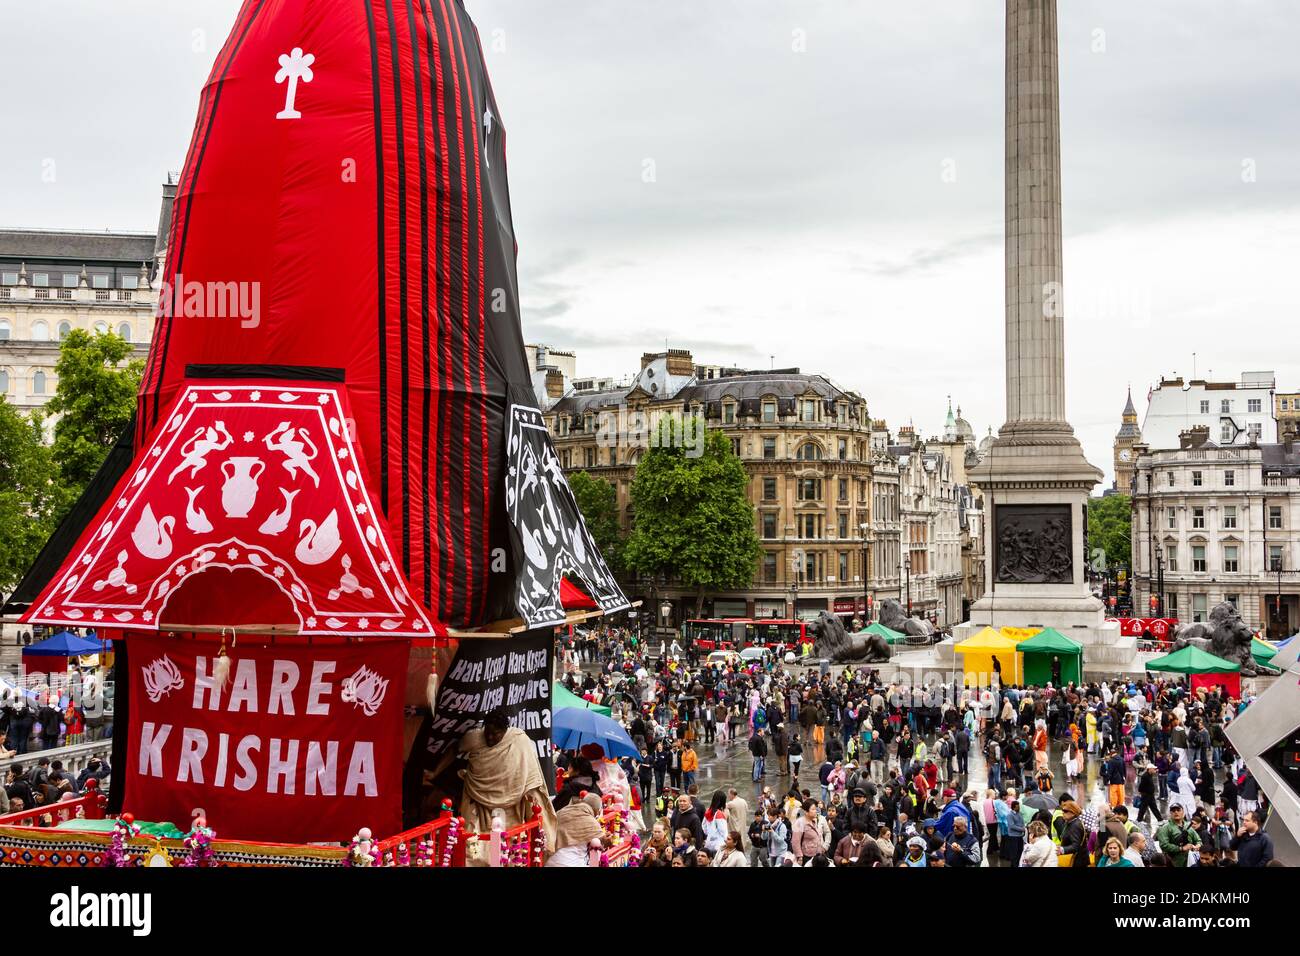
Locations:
{"points": [[293, 67]]}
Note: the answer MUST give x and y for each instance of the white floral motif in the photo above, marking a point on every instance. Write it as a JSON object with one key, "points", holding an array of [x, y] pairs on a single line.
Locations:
{"points": [[232, 554], [364, 689], [161, 677]]}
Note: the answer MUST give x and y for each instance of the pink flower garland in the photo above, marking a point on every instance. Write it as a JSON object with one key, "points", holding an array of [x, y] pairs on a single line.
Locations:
{"points": [[199, 844], [424, 852], [453, 837], [123, 829]]}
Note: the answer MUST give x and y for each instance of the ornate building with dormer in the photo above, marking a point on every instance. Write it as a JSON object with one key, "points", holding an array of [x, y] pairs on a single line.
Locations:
{"points": [[1125, 455], [844, 508]]}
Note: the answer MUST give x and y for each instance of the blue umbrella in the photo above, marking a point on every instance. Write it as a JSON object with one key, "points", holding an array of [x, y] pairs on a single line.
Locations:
{"points": [[63, 644], [572, 728]]}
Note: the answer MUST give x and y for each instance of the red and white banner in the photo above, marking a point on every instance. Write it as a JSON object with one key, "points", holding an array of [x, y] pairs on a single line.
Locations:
{"points": [[254, 488], [303, 744], [1160, 628]]}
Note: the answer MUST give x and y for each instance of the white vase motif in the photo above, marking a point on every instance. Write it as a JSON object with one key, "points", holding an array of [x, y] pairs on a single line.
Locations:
{"points": [[240, 489]]}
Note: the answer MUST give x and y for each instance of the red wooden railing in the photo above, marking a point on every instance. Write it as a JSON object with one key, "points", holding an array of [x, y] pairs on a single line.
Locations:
{"points": [[625, 844], [425, 845], [91, 804], [523, 845], [441, 842]]}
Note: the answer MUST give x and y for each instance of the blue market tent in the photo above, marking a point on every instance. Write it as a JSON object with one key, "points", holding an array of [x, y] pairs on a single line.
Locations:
{"points": [[63, 644]]}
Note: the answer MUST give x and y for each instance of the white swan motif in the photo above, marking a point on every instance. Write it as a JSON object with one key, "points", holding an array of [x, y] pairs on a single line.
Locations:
{"points": [[318, 544], [279, 520], [533, 548], [196, 519], [152, 537]]}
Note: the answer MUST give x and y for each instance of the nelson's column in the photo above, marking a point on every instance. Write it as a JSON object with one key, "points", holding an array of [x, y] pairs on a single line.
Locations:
{"points": [[1035, 480]]}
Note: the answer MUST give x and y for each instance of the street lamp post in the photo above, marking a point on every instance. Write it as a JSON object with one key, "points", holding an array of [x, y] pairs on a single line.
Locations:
{"points": [[1277, 607], [866, 575], [907, 568], [794, 598], [1152, 547], [654, 606], [1159, 596]]}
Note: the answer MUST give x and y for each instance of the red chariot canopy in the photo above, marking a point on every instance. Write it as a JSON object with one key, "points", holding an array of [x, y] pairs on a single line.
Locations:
{"points": [[250, 507]]}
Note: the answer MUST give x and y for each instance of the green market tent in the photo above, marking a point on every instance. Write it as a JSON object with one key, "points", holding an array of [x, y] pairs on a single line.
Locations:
{"points": [[892, 636], [1045, 645], [1192, 660], [561, 698], [1262, 651]]}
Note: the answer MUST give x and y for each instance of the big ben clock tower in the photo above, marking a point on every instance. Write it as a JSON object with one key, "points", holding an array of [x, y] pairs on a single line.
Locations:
{"points": [[1129, 435]]}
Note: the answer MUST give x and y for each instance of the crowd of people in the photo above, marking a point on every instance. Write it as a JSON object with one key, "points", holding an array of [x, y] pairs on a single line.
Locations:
{"points": [[850, 768], [39, 718], [49, 783]]}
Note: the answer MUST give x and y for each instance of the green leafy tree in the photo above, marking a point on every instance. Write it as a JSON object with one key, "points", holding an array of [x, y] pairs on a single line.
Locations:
{"points": [[1110, 522], [693, 516], [96, 397], [598, 502], [30, 495]]}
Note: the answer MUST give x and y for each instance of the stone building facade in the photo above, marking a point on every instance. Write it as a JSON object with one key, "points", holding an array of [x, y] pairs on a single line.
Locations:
{"points": [[1224, 524], [1286, 407], [53, 281], [837, 506]]}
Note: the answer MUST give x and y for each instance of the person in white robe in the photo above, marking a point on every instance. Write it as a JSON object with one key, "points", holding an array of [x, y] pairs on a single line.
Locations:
{"points": [[503, 773]]}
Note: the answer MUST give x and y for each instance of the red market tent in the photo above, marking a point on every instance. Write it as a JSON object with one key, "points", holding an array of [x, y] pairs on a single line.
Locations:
{"points": [[1202, 668]]}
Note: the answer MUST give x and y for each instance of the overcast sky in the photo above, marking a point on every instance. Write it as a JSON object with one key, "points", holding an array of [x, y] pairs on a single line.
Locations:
{"points": [[826, 179]]}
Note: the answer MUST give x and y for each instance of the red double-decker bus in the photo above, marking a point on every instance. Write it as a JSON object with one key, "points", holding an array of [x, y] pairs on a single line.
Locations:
{"points": [[724, 634]]}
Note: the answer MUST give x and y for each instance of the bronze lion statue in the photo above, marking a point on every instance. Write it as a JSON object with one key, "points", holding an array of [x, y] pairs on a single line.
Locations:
{"points": [[893, 617], [1225, 635], [832, 642]]}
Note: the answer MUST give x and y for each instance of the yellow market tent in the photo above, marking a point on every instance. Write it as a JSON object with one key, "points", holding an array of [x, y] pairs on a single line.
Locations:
{"points": [[978, 653]]}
